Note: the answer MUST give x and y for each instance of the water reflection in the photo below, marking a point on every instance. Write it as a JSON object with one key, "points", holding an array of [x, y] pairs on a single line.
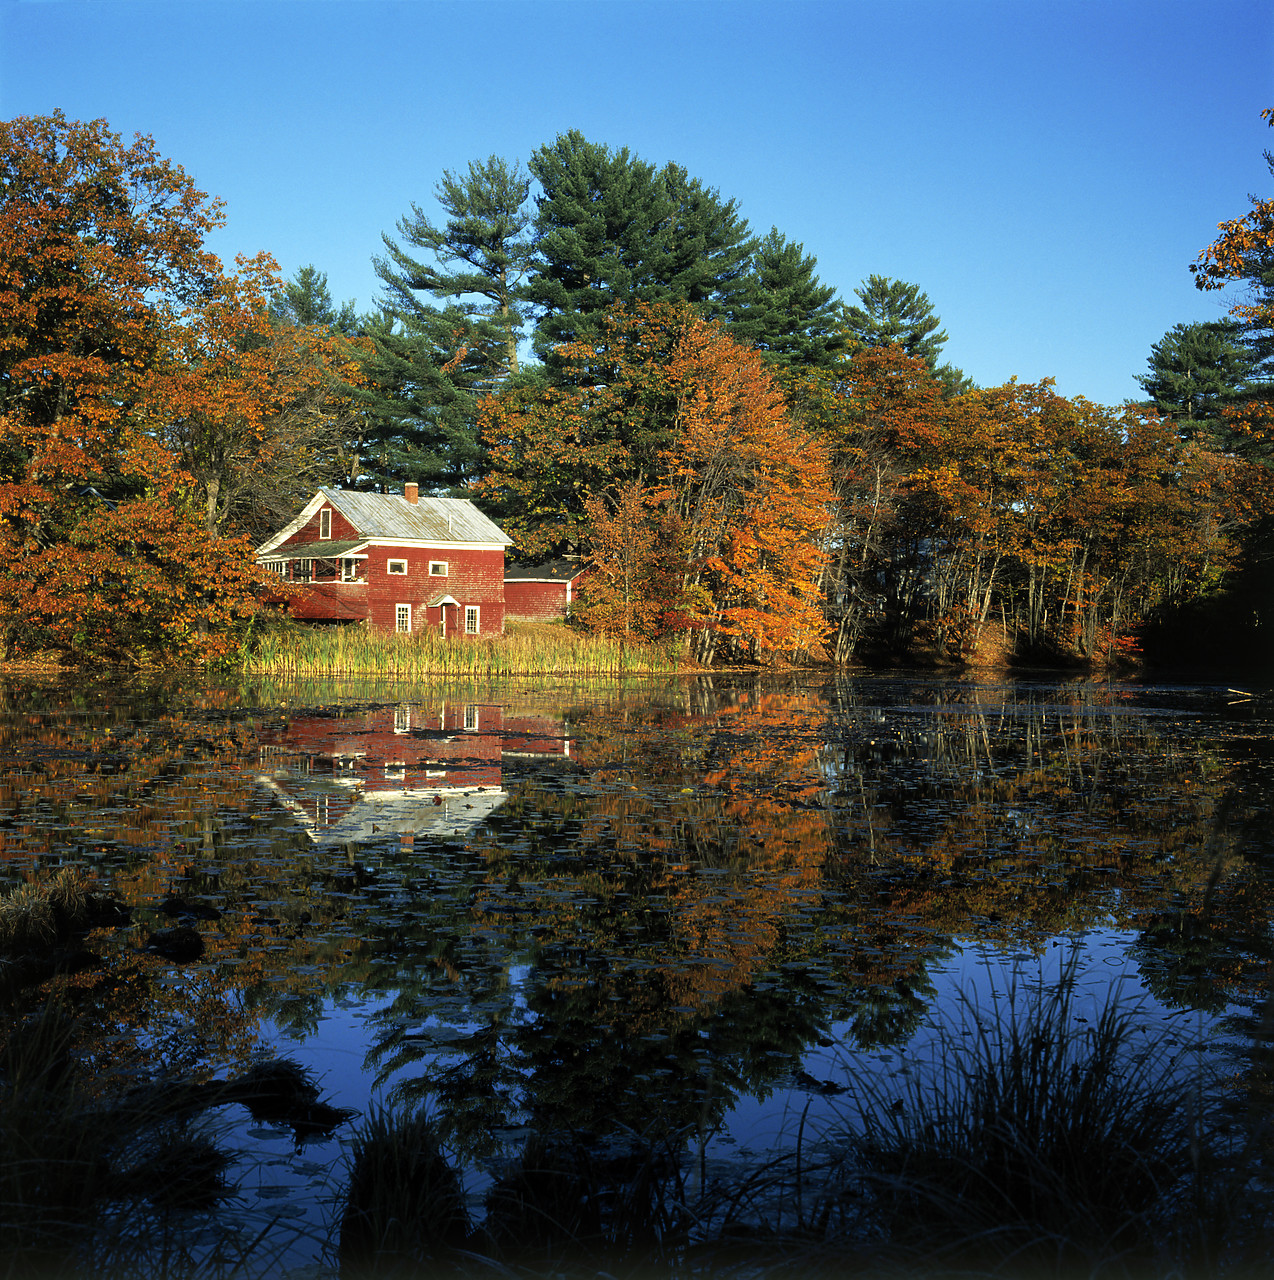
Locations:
{"points": [[405, 770], [592, 909]]}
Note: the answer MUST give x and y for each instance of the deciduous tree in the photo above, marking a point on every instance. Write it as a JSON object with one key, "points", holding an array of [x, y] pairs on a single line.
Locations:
{"points": [[104, 284], [670, 452]]}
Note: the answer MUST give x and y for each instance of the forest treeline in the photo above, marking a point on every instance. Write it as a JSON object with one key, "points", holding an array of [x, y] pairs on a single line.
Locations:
{"points": [[604, 356]]}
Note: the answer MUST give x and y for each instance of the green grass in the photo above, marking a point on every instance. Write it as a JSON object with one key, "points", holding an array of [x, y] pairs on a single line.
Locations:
{"points": [[297, 651]]}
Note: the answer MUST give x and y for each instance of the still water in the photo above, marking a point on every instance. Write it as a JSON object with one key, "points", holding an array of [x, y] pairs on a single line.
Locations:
{"points": [[697, 907]]}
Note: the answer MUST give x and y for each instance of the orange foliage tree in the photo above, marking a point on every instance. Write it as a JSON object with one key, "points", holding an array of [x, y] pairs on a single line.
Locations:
{"points": [[1067, 522], [255, 410], [670, 453], [109, 314]]}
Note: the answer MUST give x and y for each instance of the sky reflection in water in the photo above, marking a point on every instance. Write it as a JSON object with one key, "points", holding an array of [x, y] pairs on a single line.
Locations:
{"points": [[703, 907]]}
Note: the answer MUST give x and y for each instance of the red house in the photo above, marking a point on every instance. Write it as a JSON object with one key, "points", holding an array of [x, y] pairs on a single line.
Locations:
{"points": [[541, 592], [394, 562]]}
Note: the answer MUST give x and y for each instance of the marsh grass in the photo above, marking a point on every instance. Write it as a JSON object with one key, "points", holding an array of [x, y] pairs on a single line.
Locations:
{"points": [[86, 1184], [404, 1207], [320, 652], [568, 1207], [1045, 1139], [116, 1182], [1040, 1143], [39, 913]]}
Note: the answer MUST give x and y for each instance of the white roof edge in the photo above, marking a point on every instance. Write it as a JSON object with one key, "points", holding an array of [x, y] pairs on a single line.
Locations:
{"points": [[288, 530], [356, 552], [435, 544]]}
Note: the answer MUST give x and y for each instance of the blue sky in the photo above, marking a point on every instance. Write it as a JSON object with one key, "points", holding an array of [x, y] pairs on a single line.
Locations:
{"points": [[1044, 169]]}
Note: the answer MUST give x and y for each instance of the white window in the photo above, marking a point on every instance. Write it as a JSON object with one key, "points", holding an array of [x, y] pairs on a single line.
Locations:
{"points": [[397, 566], [349, 569], [402, 617], [402, 719], [470, 716], [396, 772], [437, 568], [276, 566], [325, 524], [303, 571], [471, 619]]}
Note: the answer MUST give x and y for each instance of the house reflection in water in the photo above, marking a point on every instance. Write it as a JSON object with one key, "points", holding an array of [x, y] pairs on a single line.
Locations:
{"points": [[414, 769]]}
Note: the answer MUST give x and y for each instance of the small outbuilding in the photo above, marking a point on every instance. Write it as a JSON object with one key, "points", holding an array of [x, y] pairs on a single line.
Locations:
{"points": [[541, 592], [395, 562]]}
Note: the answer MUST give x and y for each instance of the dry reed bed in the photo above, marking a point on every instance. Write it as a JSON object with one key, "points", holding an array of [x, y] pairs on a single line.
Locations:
{"points": [[355, 652]]}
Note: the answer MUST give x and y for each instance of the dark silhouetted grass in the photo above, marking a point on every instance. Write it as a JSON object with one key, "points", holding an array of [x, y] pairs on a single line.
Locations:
{"points": [[404, 1211]]}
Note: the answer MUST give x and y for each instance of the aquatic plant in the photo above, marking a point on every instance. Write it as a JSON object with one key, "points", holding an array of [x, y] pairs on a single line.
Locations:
{"points": [[571, 1206], [524, 650], [82, 1178], [1038, 1142], [39, 912], [404, 1206]]}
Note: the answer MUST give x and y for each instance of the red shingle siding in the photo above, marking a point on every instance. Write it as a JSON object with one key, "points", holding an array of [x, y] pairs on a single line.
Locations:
{"points": [[342, 530], [451, 531], [535, 601], [473, 576]]}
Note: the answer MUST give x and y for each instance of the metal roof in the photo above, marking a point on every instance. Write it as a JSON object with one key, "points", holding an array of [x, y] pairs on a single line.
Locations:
{"points": [[549, 571], [314, 550], [433, 520]]}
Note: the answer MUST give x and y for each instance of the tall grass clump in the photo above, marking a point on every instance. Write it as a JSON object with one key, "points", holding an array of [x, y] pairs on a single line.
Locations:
{"points": [[572, 1208], [349, 651], [91, 1186], [404, 1208], [38, 913], [1039, 1143]]}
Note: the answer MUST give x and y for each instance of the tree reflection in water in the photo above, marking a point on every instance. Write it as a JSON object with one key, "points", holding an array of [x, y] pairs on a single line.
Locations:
{"points": [[610, 909]]}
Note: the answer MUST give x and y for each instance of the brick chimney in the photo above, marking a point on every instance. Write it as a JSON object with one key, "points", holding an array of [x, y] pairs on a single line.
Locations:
{"points": [[411, 491]]}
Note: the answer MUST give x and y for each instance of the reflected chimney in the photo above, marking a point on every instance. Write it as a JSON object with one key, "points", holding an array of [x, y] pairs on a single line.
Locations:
{"points": [[411, 491]]}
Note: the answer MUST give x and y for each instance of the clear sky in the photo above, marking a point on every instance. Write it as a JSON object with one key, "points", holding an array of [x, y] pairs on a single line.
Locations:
{"points": [[1044, 169]]}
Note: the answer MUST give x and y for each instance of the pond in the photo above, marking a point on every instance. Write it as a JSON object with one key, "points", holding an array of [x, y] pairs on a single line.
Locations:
{"points": [[693, 910]]}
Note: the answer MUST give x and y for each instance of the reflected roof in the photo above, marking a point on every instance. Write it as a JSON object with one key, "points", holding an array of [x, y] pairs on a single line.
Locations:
{"points": [[432, 811]]}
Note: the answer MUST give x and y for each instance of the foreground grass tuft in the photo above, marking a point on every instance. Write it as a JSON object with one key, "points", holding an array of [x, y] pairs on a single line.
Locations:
{"points": [[405, 1204], [87, 1186], [1041, 1144], [39, 913]]}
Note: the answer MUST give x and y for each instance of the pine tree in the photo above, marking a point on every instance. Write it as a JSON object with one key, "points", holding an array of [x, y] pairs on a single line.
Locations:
{"points": [[786, 313], [431, 363], [1256, 328], [704, 254], [482, 251], [306, 300], [1195, 370], [895, 311], [612, 229], [422, 384]]}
